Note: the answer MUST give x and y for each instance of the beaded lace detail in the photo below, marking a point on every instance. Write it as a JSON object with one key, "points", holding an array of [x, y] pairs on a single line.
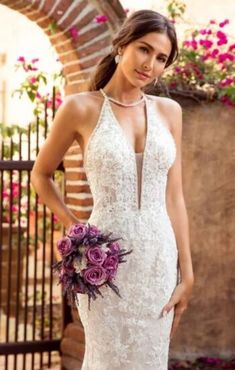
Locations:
{"points": [[129, 333]]}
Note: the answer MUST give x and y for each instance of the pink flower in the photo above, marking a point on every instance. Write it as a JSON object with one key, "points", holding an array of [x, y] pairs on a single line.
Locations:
{"points": [[207, 44], [222, 42], [225, 56], [227, 82], [33, 80], [222, 24], [227, 101], [192, 43], [74, 32], [101, 18], [222, 38], [214, 53], [21, 59], [231, 47], [14, 208], [95, 255], [95, 275], [34, 60], [205, 31], [178, 69], [173, 84], [212, 21]]}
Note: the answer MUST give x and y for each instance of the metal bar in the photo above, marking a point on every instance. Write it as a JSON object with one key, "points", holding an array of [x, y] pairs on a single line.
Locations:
{"points": [[18, 267], [35, 251], [22, 165], [37, 346], [27, 247], [8, 310]]}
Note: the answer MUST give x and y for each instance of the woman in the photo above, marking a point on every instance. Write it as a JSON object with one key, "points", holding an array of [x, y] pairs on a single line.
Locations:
{"points": [[131, 144]]}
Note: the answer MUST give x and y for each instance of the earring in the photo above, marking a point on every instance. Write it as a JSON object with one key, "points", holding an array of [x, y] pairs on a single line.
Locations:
{"points": [[155, 82], [117, 58]]}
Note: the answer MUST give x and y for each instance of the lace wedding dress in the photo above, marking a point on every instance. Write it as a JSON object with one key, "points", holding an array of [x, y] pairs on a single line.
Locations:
{"points": [[129, 333]]}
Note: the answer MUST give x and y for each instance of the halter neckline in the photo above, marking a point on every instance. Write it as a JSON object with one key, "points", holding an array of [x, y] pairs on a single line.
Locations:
{"points": [[123, 104]]}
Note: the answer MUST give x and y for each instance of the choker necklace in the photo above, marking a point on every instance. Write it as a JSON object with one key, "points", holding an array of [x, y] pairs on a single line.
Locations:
{"points": [[123, 104]]}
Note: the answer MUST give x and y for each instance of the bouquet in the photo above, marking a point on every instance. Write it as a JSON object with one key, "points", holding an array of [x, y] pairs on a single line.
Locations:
{"points": [[90, 259]]}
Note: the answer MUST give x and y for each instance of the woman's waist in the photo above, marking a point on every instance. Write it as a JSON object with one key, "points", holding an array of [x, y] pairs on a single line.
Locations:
{"points": [[132, 223]]}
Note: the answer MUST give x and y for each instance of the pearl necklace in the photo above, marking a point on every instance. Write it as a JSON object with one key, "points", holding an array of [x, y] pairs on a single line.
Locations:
{"points": [[123, 104]]}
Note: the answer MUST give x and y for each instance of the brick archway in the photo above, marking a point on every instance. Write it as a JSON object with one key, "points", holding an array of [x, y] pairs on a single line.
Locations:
{"points": [[78, 56]]}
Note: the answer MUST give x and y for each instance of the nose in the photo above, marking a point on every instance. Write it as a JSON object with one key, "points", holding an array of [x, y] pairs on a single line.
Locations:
{"points": [[148, 65]]}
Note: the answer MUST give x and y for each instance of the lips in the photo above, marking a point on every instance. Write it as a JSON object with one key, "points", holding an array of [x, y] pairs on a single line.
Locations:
{"points": [[143, 74]]}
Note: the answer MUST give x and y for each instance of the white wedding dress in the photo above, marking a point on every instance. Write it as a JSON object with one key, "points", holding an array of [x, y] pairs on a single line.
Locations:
{"points": [[129, 333]]}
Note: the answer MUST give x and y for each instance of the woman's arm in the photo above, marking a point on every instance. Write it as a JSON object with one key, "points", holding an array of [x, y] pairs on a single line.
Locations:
{"points": [[175, 198], [62, 134], [176, 208]]}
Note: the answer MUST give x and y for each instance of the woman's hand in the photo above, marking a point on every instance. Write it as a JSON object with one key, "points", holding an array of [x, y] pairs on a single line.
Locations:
{"points": [[179, 299]]}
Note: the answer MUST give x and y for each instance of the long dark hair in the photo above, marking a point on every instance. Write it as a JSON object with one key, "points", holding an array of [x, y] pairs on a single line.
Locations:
{"points": [[135, 26]]}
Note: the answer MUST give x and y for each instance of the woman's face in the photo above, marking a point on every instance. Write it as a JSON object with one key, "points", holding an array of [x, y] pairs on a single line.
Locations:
{"points": [[148, 55]]}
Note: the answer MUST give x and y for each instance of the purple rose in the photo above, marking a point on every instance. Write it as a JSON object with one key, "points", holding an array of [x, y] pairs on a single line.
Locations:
{"points": [[95, 255], [77, 230], [114, 247], [95, 275], [65, 246], [111, 265], [94, 231]]}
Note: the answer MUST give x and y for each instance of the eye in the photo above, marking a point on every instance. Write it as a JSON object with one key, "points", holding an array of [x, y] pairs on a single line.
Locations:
{"points": [[162, 59], [143, 48]]}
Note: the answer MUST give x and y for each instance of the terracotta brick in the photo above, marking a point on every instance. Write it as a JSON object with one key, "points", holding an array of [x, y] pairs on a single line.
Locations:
{"points": [[44, 23], [62, 48], [91, 34], [69, 57], [70, 363], [75, 331], [74, 149], [78, 76], [89, 17], [81, 65], [47, 6], [73, 163], [73, 14], [34, 15], [61, 8], [75, 88], [18, 5], [72, 348], [78, 188], [94, 47], [79, 202], [82, 215], [75, 176]]}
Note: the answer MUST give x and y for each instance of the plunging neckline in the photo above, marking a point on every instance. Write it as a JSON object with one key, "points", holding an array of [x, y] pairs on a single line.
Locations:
{"points": [[138, 199]]}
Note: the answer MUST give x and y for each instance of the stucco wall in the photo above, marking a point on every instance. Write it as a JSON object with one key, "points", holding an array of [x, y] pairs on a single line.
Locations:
{"points": [[208, 151]]}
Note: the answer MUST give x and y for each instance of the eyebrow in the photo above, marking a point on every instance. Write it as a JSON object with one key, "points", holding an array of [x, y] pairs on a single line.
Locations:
{"points": [[150, 46]]}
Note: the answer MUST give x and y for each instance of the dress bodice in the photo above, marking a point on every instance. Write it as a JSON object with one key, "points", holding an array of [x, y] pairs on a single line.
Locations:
{"points": [[123, 182]]}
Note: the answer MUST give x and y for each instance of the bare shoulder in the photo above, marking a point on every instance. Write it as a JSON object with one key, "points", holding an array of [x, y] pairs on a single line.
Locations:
{"points": [[78, 103], [169, 109], [79, 108]]}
